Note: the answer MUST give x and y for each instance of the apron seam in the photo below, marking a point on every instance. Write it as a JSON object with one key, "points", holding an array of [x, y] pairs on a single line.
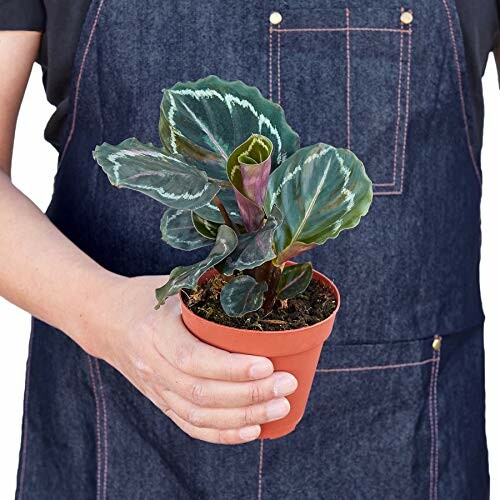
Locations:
{"points": [[348, 74], [105, 430], [376, 367], [25, 419], [79, 80], [461, 91], [98, 428], [261, 470], [434, 426]]}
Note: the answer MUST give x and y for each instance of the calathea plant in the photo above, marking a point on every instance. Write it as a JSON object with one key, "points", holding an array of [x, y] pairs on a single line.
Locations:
{"points": [[233, 177]]}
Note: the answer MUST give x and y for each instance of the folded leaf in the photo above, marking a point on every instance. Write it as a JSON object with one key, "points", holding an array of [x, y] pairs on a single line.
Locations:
{"points": [[209, 118], [248, 169], [294, 280], [322, 190], [179, 231], [242, 295], [254, 248], [164, 176], [188, 276]]}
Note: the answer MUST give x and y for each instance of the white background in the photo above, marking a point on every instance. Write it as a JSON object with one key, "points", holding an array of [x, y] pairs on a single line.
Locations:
{"points": [[34, 167]]}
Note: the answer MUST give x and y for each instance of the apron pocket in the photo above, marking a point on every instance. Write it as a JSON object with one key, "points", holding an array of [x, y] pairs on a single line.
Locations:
{"points": [[340, 72], [370, 428]]}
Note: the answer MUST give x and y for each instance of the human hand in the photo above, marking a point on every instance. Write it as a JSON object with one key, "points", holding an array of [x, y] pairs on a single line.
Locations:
{"points": [[211, 394]]}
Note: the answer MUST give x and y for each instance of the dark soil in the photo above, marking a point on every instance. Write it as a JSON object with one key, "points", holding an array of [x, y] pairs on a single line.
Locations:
{"points": [[313, 305]]}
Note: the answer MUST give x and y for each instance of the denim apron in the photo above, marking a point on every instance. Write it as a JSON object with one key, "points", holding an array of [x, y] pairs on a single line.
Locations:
{"points": [[397, 405]]}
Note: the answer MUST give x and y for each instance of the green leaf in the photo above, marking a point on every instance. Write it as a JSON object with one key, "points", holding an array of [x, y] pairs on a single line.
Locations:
{"points": [[205, 227], [294, 280], [321, 190], [188, 276], [242, 295], [211, 212], [164, 176], [179, 230], [207, 119], [248, 170], [254, 248]]}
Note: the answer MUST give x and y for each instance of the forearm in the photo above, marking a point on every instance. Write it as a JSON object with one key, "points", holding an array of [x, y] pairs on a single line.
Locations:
{"points": [[43, 272]]}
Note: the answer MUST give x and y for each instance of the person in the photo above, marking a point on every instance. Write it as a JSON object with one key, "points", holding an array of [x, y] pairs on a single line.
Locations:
{"points": [[397, 406]]}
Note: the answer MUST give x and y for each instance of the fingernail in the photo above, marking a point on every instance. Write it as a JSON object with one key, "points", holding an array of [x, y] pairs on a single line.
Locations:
{"points": [[285, 384], [277, 408], [261, 369], [250, 432]]}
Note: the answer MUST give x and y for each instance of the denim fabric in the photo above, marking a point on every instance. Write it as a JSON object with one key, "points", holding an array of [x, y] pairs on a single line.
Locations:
{"points": [[399, 420]]}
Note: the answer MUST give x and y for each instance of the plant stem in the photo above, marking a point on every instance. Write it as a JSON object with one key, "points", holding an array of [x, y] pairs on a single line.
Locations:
{"points": [[222, 184], [273, 280], [225, 215]]}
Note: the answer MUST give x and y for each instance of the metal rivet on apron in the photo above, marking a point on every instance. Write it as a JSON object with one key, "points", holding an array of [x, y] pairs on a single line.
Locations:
{"points": [[436, 344], [275, 18], [406, 17]]}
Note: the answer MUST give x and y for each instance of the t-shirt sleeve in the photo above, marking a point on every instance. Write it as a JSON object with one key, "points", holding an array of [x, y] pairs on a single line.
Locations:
{"points": [[22, 15]]}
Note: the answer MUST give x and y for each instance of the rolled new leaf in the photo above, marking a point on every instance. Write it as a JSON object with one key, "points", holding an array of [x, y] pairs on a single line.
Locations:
{"points": [[242, 295], [188, 276], [248, 169], [209, 118], [157, 173], [322, 190], [179, 230], [294, 280], [254, 248]]}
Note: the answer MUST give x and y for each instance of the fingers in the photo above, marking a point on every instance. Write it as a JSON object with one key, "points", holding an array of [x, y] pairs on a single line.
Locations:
{"points": [[189, 355], [227, 436], [222, 394], [227, 418]]}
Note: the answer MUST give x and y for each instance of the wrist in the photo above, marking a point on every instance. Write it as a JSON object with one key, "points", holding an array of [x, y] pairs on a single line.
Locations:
{"points": [[96, 311]]}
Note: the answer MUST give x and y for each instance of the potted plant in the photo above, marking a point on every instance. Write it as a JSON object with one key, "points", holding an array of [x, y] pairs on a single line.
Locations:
{"points": [[233, 178]]}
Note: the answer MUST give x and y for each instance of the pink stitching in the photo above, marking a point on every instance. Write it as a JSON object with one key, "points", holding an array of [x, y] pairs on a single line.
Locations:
{"points": [[460, 90], [348, 62], [436, 429], [279, 66], [372, 368], [398, 119], [78, 81], [292, 30], [402, 31], [431, 424], [405, 132], [105, 428], [98, 426], [271, 63], [25, 418], [261, 467]]}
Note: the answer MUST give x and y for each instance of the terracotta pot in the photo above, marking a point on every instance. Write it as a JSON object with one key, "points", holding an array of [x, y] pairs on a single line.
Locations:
{"points": [[294, 351]]}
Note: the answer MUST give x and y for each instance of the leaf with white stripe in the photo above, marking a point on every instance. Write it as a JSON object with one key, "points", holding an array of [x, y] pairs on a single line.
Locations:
{"points": [[321, 190], [242, 295], [188, 276], [294, 280], [205, 227], [164, 176], [179, 230], [254, 248], [212, 213], [209, 118]]}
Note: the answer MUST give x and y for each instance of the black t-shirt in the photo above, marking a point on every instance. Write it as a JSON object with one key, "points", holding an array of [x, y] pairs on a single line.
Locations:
{"points": [[61, 24]]}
